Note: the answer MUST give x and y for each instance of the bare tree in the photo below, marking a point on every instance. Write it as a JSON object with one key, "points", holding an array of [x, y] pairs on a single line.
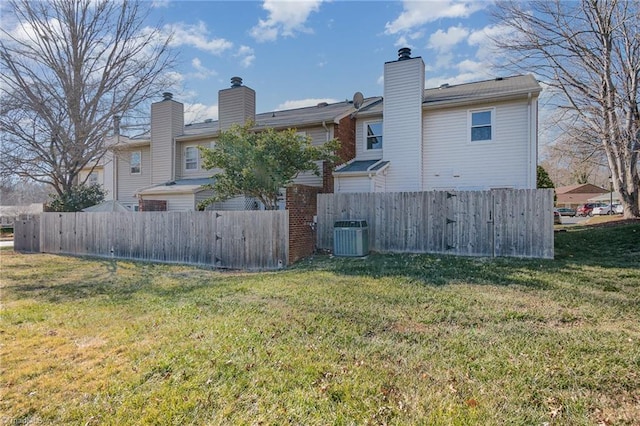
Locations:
{"points": [[588, 52], [576, 157], [68, 68]]}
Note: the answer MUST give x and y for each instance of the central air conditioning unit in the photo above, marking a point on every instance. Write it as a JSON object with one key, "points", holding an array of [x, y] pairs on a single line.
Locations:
{"points": [[351, 238]]}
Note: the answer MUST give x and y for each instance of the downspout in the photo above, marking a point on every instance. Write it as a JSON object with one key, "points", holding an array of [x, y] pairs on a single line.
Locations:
{"points": [[326, 129], [529, 142]]}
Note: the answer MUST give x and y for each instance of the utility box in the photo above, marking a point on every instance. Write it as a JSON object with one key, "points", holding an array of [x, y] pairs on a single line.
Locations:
{"points": [[350, 238]]}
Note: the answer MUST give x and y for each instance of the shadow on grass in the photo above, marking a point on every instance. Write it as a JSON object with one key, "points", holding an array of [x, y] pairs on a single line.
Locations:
{"points": [[577, 252], [612, 247], [116, 281]]}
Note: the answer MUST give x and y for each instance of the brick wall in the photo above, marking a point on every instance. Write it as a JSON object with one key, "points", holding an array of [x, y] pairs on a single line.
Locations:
{"points": [[152, 205], [345, 131], [301, 201]]}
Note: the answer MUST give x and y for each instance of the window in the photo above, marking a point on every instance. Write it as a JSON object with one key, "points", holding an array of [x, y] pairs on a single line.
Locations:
{"points": [[93, 178], [136, 162], [374, 135], [481, 126], [191, 158]]}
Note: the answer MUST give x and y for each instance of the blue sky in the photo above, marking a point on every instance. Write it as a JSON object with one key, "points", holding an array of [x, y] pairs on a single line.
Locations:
{"points": [[298, 53]]}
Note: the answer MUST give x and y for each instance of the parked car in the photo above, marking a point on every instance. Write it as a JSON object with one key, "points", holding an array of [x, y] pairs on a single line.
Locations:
{"points": [[604, 209], [567, 211], [557, 220], [618, 209], [586, 209]]}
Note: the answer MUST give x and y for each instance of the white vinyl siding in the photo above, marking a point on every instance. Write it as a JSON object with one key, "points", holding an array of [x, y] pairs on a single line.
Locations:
{"points": [[373, 135], [361, 142], [481, 125], [402, 132], [452, 162], [352, 184]]}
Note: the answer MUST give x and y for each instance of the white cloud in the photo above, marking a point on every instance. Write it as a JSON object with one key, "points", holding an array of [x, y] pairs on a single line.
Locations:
{"points": [[417, 13], [195, 113], [444, 41], [196, 36], [201, 72], [160, 3], [286, 18], [301, 103], [246, 55], [483, 39]]}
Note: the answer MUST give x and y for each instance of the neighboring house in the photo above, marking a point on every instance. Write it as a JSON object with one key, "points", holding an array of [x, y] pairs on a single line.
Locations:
{"points": [[456, 137], [459, 137], [575, 195], [9, 214], [162, 169]]}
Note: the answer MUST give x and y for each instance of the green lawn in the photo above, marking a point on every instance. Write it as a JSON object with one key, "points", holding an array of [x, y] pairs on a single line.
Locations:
{"points": [[390, 339]]}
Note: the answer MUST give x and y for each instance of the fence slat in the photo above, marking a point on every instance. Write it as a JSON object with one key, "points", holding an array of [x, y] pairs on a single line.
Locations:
{"points": [[505, 222], [230, 239]]}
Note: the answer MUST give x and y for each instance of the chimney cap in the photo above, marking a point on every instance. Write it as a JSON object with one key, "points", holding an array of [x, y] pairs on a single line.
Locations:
{"points": [[167, 96], [404, 53], [236, 81]]}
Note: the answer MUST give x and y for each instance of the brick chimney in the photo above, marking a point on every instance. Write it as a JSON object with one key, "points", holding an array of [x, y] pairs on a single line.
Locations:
{"points": [[236, 105], [402, 126], [167, 122]]}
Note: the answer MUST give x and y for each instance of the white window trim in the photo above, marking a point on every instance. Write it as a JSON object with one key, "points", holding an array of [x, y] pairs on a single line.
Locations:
{"points": [[184, 163], [365, 136], [139, 165], [493, 125]]}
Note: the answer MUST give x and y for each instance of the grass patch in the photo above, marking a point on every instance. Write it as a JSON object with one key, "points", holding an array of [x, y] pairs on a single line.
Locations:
{"points": [[390, 339]]}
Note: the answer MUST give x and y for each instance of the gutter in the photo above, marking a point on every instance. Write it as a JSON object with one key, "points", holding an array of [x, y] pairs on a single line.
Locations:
{"points": [[479, 100]]}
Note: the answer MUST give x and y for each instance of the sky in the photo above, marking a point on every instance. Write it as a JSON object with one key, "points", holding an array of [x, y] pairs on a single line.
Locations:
{"points": [[300, 53]]}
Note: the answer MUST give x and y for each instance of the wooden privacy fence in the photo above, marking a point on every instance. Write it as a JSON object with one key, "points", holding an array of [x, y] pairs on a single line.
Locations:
{"points": [[230, 239], [507, 222]]}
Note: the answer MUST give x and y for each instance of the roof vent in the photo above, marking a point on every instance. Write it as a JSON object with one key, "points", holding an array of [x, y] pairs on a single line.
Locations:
{"points": [[236, 81], [322, 104], [209, 120], [404, 53], [167, 96], [499, 78], [444, 86]]}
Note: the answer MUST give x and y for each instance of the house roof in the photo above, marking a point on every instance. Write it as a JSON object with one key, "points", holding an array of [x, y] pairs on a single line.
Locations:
{"points": [[298, 117], [323, 112], [452, 94], [179, 186], [363, 167], [585, 188], [107, 206], [480, 90]]}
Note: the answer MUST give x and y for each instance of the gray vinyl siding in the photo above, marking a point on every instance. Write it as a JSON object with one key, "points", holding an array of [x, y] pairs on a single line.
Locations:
{"points": [[402, 132], [167, 122], [181, 172], [451, 161], [236, 106], [129, 184], [318, 137], [175, 202], [232, 204]]}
